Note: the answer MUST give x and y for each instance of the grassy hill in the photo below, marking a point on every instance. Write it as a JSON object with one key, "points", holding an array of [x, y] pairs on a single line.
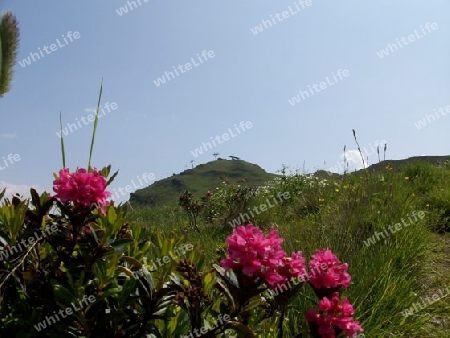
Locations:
{"points": [[200, 179], [366, 218], [209, 175]]}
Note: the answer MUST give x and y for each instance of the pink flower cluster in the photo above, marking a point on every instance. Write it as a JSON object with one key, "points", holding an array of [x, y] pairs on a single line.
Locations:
{"points": [[82, 187], [332, 273], [333, 316], [258, 255]]}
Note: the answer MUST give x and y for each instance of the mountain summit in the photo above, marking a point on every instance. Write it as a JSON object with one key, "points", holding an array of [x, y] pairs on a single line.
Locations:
{"points": [[201, 179]]}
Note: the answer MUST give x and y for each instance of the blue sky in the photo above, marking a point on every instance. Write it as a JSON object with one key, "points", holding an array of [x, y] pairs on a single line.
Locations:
{"points": [[251, 78]]}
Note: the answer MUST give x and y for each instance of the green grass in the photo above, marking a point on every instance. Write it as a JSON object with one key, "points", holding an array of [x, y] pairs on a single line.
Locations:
{"points": [[388, 276]]}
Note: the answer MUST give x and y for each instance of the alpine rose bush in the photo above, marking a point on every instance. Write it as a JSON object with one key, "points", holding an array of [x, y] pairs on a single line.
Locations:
{"points": [[82, 188], [334, 316]]}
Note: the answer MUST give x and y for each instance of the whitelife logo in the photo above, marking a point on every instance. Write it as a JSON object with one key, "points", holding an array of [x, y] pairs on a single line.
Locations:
{"points": [[323, 85], [285, 14], [179, 252], [71, 127], [411, 38], [49, 320], [225, 137], [416, 307], [53, 48], [398, 226], [146, 177], [10, 160], [205, 329], [432, 118], [129, 6], [187, 66], [340, 166], [23, 244], [244, 217]]}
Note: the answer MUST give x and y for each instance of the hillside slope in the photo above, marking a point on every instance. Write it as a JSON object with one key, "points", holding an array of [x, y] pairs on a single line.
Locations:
{"points": [[199, 180], [400, 164]]}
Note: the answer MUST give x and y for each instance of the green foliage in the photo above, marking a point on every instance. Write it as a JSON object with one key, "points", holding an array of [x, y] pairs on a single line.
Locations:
{"points": [[83, 257], [192, 208], [227, 202]]}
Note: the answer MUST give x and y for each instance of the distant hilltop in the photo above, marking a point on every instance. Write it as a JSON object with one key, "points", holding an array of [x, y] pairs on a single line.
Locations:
{"points": [[201, 179], [207, 176]]}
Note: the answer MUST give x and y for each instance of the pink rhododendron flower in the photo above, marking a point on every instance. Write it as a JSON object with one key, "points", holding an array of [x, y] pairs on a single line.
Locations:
{"points": [[272, 277], [273, 252], [82, 187], [333, 317], [244, 245], [293, 266], [327, 272], [255, 254]]}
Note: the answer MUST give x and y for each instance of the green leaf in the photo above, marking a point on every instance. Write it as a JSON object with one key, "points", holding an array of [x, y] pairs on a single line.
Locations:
{"points": [[105, 171], [145, 281], [241, 329], [35, 199], [13, 217], [62, 294], [111, 215], [63, 152], [95, 124], [120, 246], [132, 261], [112, 178]]}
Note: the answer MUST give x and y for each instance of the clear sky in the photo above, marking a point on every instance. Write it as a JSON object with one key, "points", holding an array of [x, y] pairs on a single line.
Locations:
{"points": [[325, 54]]}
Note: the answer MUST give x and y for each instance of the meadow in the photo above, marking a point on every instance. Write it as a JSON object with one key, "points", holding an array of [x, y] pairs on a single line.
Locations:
{"points": [[389, 274], [369, 255]]}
